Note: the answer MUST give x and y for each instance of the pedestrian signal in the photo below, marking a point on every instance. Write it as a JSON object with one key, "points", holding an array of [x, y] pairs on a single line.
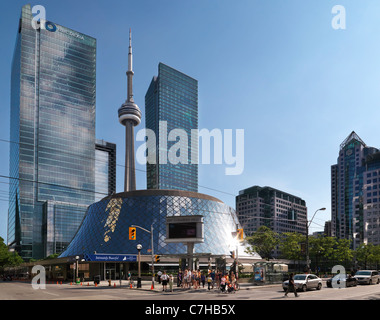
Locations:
{"points": [[157, 258], [132, 233]]}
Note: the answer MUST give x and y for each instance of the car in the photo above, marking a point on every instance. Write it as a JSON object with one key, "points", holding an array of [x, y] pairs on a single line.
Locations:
{"points": [[304, 282], [342, 280], [367, 276]]}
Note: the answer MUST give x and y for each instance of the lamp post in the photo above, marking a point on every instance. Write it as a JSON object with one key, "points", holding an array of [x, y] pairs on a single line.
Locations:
{"points": [[151, 239], [307, 238], [139, 247], [76, 265]]}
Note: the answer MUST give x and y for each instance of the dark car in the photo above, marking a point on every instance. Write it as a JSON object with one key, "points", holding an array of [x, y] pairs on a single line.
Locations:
{"points": [[342, 280]]}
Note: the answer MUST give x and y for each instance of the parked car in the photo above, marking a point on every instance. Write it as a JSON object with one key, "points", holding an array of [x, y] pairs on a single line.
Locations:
{"points": [[343, 280], [304, 282], [367, 277]]}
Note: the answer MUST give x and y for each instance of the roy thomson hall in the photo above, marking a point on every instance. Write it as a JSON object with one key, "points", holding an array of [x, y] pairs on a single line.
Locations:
{"points": [[187, 230]]}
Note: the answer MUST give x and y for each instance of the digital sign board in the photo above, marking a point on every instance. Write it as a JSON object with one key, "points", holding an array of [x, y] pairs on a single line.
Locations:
{"points": [[184, 229]]}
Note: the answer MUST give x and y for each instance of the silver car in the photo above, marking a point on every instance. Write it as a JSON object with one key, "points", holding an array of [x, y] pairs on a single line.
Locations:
{"points": [[367, 277], [304, 282]]}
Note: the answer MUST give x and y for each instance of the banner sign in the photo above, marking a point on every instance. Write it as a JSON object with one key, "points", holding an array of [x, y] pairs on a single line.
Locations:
{"points": [[111, 257]]}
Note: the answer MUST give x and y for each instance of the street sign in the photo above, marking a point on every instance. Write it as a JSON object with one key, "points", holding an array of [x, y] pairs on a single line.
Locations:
{"points": [[111, 257]]}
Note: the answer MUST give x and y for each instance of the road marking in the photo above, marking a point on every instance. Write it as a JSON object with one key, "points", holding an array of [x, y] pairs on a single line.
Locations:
{"points": [[53, 294]]}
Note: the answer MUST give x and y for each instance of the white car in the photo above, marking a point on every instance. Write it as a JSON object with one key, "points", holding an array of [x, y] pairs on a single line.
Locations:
{"points": [[367, 276], [304, 282]]}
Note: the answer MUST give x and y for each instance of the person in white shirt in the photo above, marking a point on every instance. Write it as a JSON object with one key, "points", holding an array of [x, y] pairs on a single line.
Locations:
{"points": [[165, 280]]}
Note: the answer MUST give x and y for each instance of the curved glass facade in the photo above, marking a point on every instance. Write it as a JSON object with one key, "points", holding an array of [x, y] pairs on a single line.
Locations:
{"points": [[105, 227], [53, 96]]}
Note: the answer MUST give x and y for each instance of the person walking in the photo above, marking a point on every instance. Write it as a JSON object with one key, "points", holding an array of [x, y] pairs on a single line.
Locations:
{"points": [[165, 280], [203, 279], [209, 281], [159, 274], [291, 286], [171, 280], [223, 282], [212, 278], [179, 278]]}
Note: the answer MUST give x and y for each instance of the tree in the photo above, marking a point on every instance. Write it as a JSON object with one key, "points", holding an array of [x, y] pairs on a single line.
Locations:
{"points": [[365, 254], [321, 248], [377, 256], [342, 252], [8, 258], [291, 245], [263, 241]]}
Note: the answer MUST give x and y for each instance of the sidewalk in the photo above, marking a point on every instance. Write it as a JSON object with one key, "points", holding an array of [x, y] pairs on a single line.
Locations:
{"points": [[146, 285]]}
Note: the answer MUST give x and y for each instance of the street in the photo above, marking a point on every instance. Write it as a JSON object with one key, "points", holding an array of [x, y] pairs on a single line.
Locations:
{"points": [[15, 290]]}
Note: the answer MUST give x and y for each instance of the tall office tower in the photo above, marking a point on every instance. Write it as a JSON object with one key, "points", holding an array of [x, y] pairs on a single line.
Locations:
{"points": [[129, 116], [52, 132], [266, 206], [171, 105], [355, 191], [105, 169], [327, 229]]}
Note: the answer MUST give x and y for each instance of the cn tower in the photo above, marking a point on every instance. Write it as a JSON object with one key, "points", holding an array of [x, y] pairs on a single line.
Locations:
{"points": [[129, 116]]}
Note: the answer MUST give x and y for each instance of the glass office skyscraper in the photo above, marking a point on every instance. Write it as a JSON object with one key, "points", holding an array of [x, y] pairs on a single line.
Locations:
{"points": [[355, 192], [171, 102], [105, 169], [52, 153]]}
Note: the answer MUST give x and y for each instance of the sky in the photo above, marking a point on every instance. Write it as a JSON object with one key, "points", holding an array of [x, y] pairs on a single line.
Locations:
{"points": [[276, 69]]}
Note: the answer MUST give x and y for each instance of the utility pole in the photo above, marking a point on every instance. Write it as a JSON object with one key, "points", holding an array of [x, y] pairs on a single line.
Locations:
{"points": [[151, 239], [307, 239]]}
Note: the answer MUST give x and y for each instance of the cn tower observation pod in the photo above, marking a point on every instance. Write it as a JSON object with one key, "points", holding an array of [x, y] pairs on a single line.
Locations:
{"points": [[105, 227]]}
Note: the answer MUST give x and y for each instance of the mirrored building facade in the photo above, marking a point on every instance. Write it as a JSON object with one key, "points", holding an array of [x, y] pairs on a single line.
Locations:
{"points": [[105, 169], [171, 103], [355, 193], [104, 229], [52, 135]]}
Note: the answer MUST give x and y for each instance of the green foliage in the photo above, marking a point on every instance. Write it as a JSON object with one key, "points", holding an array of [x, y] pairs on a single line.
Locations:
{"points": [[291, 245], [367, 254], [8, 258], [263, 241], [342, 251]]}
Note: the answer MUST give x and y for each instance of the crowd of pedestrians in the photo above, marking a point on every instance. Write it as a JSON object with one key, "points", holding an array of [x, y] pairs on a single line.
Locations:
{"points": [[196, 279]]}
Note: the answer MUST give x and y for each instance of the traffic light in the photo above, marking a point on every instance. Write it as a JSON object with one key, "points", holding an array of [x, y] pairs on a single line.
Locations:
{"points": [[132, 233], [157, 258], [240, 235], [232, 254]]}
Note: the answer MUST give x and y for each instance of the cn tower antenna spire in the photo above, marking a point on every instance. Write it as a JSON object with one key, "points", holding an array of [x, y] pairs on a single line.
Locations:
{"points": [[129, 116], [130, 71]]}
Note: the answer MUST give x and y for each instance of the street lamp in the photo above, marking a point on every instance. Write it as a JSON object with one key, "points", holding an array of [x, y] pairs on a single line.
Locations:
{"points": [[139, 247], [307, 238], [76, 265], [151, 238]]}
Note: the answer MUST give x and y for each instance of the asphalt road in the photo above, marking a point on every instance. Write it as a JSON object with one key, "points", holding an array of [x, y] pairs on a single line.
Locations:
{"points": [[15, 290]]}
